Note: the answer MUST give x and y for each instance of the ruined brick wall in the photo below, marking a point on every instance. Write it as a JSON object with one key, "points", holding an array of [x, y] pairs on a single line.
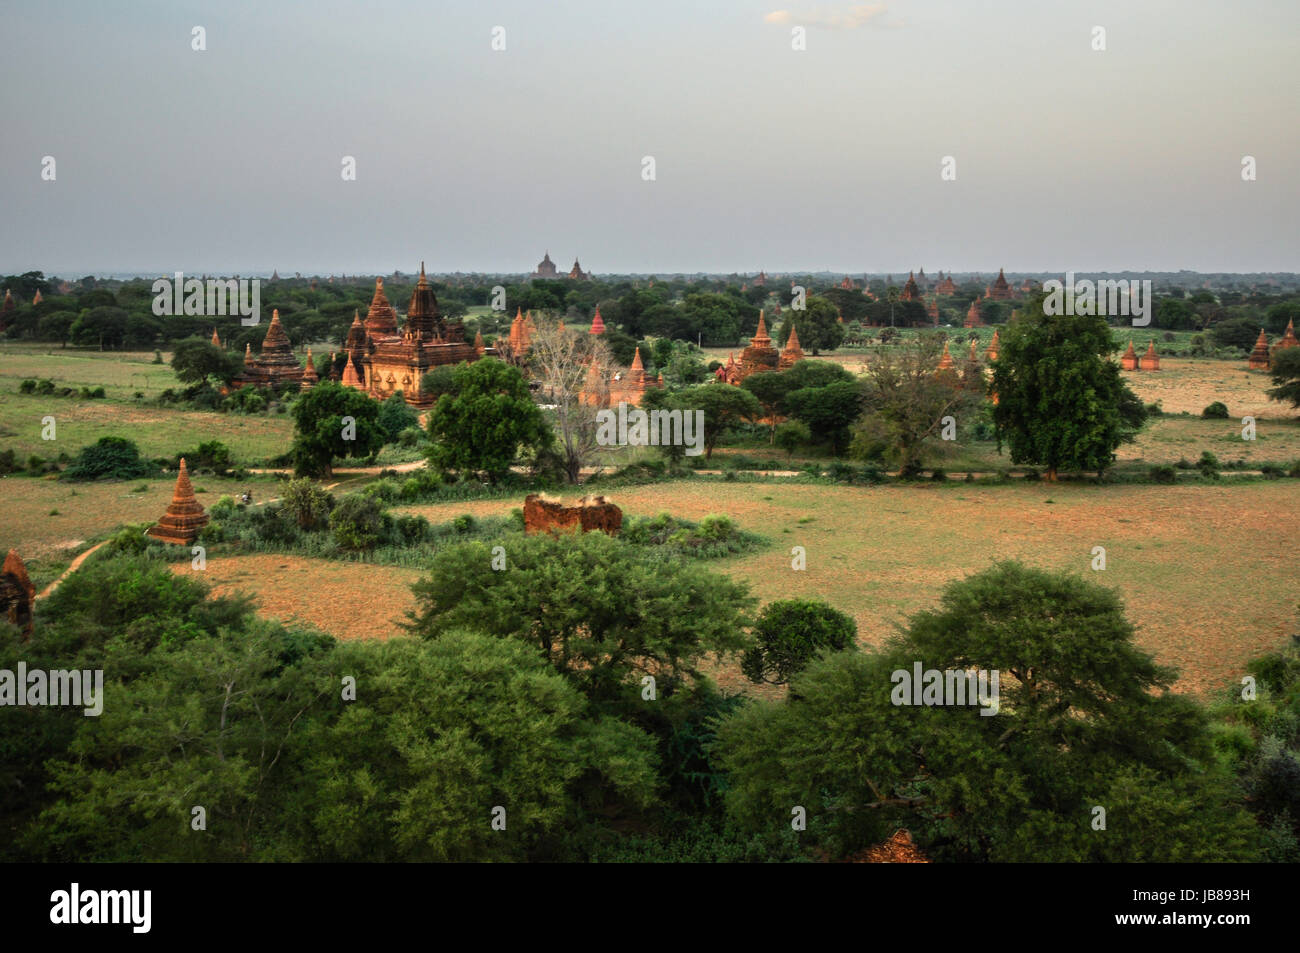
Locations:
{"points": [[590, 513]]}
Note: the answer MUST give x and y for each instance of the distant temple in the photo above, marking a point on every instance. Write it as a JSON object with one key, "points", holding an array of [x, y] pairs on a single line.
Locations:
{"points": [[546, 269], [1258, 360], [945, 286], [910, 290], [761, 356], [1000, 290], [973, 318]]}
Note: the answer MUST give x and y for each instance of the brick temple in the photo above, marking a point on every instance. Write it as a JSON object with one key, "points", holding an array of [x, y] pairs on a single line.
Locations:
{"points": [[184, 517]]}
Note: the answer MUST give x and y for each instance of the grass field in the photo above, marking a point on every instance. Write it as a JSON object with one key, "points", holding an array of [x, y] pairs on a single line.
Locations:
{"points": [[1207, 572], [120, 373]]}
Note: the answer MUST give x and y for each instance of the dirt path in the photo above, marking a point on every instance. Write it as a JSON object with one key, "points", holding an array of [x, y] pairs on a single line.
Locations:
{"points": [[76, 564]]}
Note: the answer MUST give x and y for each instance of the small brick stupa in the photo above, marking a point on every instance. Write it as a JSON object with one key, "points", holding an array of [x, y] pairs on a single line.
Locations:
{"points": [[760, 355], [275, 365], [1129, 361], [184, 517], [309, 376], [1149, 362], [597, 323], [1259, 357], [992, 353], [973, 319], [792, 352], [16, 594], [1001, 291], [1288, 339]]}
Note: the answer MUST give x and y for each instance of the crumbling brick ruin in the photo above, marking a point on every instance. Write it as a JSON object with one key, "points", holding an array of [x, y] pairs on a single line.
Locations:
{"points": [[542, 515]]}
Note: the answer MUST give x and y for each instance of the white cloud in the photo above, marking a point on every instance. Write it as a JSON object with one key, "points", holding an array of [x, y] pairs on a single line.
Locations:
{"points": [[843, 19]]}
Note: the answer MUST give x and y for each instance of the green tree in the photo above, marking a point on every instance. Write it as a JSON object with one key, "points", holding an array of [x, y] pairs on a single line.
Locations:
{"points": [[447, 732], [819, 326], [195, 360], [396, 415], [828, 411], [306, 501], [485, 425], [322, 433], [1094, 725], [1061, 401], [906, 403], [108, 458], [604, 613], [789, 633], [56, 326], [724, 407], [1285, 371]]}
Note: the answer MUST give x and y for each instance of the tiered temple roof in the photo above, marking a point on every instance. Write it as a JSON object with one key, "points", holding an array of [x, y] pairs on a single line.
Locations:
{"points": [[184, 517], [992, 353], [276, 364], [1258, 360], [910, 290], [760, 355], [1288, 338], [597, 323], [1000, 291], [792, 352], [1129, 361], [946, 286], [1149, 362], [381, 319], [973, 319]]}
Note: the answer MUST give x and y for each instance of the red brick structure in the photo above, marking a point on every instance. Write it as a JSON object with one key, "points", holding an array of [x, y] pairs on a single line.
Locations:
{"points": [[1000, 291], [597, 323], [973, 318], [16, 594], [577, 274], [792, 351], [184, 517], [910, 290], [1129, 361], [543, 515], [760, 355], [1258, 360], [275, 365], [1288, 338], [546, 268], [946, 286], [309, 376], [1149, 362]]}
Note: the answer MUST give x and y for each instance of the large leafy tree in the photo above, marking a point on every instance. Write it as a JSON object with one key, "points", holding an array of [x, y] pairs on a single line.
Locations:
{"points": [[906, 402], [487, 422], [819, 326], [443, 732], [322, 433], [1084, 720], [1285, 371], [195, 360], [723, 406], [828, 411], [601, 611], [1061, 401]]}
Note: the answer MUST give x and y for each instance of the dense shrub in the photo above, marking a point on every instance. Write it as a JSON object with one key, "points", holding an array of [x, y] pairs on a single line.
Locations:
{"points": [[1208, 465], [1217, 410], [112, 458], [357, 522], [1163, 474]]}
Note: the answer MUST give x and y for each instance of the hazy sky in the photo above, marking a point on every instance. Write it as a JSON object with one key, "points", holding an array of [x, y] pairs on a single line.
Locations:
{"points": [[229, 160]]}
